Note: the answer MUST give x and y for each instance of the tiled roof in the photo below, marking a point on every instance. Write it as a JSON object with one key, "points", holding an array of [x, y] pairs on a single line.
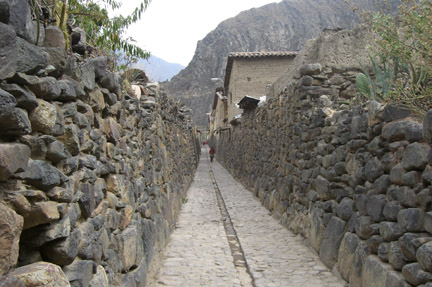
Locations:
{"points": [[261, 54]]}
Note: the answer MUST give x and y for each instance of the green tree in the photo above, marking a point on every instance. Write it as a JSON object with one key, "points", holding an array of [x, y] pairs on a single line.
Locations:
{"points": [[103, 32]]}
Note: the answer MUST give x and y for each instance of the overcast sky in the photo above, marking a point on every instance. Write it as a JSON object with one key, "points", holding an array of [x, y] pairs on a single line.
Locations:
{"points": [[170, 29]]}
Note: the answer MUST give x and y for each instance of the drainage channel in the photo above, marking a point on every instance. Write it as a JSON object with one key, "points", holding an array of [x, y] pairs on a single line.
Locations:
{"points": [[237, 253]]}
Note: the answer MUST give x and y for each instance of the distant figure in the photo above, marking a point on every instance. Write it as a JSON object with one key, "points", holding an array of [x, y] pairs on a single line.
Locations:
{"points": [[212, 153]]}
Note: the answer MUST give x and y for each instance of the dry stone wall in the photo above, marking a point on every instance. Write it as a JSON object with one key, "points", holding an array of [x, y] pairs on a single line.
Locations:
{"points": [[356, 182], [91, 179]]}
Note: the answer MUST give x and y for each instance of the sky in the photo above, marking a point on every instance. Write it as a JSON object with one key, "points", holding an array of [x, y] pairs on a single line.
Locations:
{"points": [[170, 29]]}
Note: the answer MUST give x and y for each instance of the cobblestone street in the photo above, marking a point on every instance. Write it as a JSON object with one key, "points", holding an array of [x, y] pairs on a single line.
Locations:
{"points": [[225, 237]]}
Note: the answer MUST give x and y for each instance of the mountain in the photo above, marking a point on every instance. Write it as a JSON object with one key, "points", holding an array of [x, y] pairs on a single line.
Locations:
{"points": [[284, 26], [157, 69]]}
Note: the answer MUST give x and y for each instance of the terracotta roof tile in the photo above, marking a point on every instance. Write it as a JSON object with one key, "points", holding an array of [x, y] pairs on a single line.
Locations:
{"points": [[261, 54]]}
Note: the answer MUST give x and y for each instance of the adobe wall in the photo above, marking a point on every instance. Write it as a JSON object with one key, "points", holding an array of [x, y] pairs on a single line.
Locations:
{"points": [[356, 182], [252, 77], [91, 178]]}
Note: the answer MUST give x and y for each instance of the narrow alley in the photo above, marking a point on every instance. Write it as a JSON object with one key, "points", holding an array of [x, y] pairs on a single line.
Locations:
{"points": [[225, 237]]}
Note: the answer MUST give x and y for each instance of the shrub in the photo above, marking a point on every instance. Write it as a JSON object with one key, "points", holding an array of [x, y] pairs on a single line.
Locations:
{"points": [[403, 47]]}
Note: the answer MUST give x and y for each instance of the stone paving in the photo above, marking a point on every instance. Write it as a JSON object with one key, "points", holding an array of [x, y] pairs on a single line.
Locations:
{"points": [[202, 250]]}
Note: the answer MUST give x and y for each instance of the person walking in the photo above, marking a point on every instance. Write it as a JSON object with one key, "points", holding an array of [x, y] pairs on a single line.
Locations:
{"points": [[212, 153]]}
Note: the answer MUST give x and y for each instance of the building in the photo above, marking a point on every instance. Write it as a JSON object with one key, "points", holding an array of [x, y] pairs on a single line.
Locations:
{"points": [[247, 74]]}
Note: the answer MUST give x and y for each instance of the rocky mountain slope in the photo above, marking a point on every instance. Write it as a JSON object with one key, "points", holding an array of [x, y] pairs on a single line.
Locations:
{"points": [[283, 26], [157, 69]]}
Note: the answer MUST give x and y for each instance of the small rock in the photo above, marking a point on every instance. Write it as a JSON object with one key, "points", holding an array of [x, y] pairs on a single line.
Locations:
{"points": [[310, 69]]}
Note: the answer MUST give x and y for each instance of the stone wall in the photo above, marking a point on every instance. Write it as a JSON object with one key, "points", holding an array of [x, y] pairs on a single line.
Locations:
{"points": [[355, 182], [91, 179]]}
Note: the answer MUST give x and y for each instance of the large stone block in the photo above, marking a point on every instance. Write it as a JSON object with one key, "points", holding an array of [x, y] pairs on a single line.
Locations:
{"points": [[396, 279], [23, 23], [42, 175], [363, 227], [70, 139], [87, 200], [46, 88], [87, 76], [7, 103], [428, 222], [41, 274], [346, 254], [394, 131], [128, 248], [10, 281], [361, 254], [54, 38], [79, 273], [67, 89], [8, 51], [332, 238], [25, 99], [317, 229], [415, 275], [89, 248], [410, 242], [112, 129], [63, 251], [375, 272], [390, 231], [416, 156], [30, 58], [375, 206], [311, 69], [13, 158], [424, 256], [44, 117], [58, 58], [15, 123], [346, 208], [41, 213], [322, 186], [56, 151], [411, 219], [11, 225], [427, 126], [395, 256], [100, 279]]}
